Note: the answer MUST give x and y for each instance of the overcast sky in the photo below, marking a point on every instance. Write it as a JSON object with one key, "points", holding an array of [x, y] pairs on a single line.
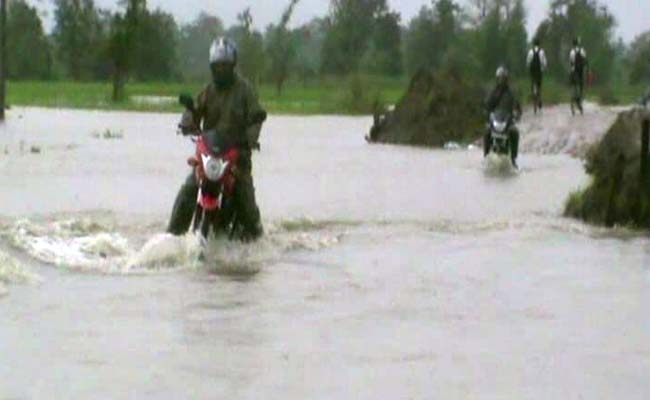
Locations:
{"points": [[633, 16]]}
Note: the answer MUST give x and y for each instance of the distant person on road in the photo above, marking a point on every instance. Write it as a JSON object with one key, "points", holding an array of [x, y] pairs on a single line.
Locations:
{"points": [[579, 67], [537, 65], [503, 100]]}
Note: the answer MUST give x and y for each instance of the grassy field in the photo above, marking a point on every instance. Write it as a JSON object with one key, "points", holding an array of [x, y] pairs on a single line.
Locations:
{"points": [[346, 96], [316, 97]]}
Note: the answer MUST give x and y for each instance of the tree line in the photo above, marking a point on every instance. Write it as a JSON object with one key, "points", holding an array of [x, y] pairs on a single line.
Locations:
{"points": [[356, 36]]}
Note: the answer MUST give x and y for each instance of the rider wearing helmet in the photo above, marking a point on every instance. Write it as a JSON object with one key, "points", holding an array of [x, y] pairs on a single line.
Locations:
{"points": [[579, 66], [502, 99], [537, 64], [226, 105]]}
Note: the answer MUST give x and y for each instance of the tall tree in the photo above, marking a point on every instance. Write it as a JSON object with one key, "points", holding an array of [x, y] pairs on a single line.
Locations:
{"points": [[493, 44], [308, 44], [588, 19], [351, 24], [155, 49], [194, 42], [3, 56], [77, 36], [431, 34], [123, 38], [516, 37], [384, 56], [638, 56], [26, 32], [251, 47], [279, 48], [420, 49]]}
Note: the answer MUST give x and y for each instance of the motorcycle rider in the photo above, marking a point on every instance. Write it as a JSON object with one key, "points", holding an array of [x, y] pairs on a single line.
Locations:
{"points": [[537, 64], [502, 99], [226, 105], [579, 66]]}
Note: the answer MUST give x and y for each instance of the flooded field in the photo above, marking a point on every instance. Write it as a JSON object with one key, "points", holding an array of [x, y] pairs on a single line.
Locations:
{"points": [[386, 272]]}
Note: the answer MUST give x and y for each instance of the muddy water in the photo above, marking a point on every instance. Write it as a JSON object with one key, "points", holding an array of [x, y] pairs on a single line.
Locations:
{"points": [[386, 272]]}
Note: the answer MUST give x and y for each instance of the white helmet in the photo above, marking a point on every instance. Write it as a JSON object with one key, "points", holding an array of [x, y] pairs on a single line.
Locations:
{"points": [[223, 50], [502, 72]]}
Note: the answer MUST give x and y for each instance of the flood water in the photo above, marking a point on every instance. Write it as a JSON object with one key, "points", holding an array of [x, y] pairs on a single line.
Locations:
{"points": [[386, 272]]}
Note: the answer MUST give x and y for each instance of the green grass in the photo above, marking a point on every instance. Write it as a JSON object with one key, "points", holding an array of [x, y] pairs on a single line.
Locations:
{"points": [[555, 92], [319, 96], [326, 96]]}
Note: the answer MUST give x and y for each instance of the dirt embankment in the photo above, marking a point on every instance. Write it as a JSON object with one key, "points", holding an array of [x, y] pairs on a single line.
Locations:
{"points": [[620, 191], [440, 108], [556, 131], [436, 109]]}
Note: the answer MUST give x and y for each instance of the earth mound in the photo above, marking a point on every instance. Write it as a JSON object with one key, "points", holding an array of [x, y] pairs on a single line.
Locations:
{"points": [[437, 109], [620, 190]]}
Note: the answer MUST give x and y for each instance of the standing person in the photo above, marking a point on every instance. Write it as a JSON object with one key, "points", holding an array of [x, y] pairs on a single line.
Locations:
{"points": [[226, 105], [537, 65], [579, 66]]}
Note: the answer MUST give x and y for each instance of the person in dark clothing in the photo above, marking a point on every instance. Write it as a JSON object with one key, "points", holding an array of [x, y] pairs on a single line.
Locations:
{"points": [[503, 100], [537, 64], [225, 105], [579, 67]]}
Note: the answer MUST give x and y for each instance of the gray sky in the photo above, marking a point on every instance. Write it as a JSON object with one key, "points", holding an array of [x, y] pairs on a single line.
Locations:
{"points": [[633, 16]]}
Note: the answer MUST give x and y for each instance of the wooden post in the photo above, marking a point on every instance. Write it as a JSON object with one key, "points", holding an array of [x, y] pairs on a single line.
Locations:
{"points": [[3, 57], [645, 154], [617, 180]]}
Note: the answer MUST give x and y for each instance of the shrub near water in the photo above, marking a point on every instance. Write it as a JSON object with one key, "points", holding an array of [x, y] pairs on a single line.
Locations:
{"points": [[616, 194]]}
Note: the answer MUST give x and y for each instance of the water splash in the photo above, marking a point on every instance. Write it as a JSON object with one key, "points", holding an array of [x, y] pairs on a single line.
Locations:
{"points": [[83, 243], [500, 166], [73, 243], [13, 272], [164, 252]]}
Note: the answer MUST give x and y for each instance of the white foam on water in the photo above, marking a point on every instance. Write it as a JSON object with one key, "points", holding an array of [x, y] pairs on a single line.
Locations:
{"points": [[84, 244], [72, 243], [497, 165], [12, 272], [223, 256], [165, 251]]}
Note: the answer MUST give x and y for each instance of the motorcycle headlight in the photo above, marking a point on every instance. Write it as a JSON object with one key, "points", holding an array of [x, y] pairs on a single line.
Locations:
{"points": [[499, 126], [214, 168]]}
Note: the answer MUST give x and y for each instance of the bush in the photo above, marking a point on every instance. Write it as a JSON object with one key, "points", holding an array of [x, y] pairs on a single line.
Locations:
{"points": [[606, 96]]}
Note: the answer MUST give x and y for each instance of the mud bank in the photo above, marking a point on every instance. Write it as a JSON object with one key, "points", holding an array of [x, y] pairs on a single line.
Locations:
{"points": [[556, 131], [618, 194], [432, 114], [436, 109]]}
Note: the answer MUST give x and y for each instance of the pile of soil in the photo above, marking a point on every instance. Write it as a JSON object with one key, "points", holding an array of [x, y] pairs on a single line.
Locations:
{"points": [[436, 109], [620, 192]]}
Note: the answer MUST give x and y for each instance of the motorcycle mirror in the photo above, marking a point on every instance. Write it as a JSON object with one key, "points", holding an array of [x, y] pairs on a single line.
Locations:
{"points": [[187, 101]]}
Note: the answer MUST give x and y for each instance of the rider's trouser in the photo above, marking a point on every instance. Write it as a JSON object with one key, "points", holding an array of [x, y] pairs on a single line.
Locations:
{"points": [[186, 200], [536, 82], [578, 82]]}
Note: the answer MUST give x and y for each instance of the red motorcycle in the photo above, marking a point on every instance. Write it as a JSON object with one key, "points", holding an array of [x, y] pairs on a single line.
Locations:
{"points": [[215, 165]]}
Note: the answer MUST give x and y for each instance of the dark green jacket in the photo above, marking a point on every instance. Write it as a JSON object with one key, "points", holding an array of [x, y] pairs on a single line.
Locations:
{"points": [[503, 100], [229, 111]]}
